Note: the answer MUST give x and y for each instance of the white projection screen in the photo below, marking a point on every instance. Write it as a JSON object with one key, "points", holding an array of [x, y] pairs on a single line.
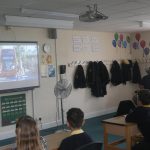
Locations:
{"points": [[19, 67]]}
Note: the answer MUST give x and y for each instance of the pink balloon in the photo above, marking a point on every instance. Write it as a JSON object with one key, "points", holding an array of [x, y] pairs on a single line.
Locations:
{"points": [[143, 43], [121, 37], [119, 43], [137, 36]]}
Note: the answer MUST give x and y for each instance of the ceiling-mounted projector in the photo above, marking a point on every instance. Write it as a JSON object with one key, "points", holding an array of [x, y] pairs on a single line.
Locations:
{"points": [[92, 15]]}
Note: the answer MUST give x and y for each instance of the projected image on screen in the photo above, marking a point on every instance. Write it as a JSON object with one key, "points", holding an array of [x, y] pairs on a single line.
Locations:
{"points": [[18, 65]]}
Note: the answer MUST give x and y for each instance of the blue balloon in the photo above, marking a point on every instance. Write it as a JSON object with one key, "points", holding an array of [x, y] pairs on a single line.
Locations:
{"points": [[114, 43], [124, 44], [146, 51]]}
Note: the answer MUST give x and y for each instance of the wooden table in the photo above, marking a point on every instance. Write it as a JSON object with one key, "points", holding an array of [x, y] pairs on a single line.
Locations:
{"points": [[53, 140], [118, 126]]}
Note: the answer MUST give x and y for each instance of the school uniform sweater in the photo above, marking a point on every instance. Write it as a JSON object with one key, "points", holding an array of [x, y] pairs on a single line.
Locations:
{"points": [[141, 116], [75, 141]]}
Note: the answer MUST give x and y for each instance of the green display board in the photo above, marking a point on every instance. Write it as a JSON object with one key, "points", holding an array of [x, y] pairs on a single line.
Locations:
{"points": [[12, 107]]}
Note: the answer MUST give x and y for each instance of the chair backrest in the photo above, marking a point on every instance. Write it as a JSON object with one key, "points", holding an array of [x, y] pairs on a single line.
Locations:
{"points": [[91, 146], [124, 107]]}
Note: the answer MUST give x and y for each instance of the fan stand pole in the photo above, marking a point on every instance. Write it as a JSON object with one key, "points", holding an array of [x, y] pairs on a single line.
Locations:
{"points": [[62, 114]]}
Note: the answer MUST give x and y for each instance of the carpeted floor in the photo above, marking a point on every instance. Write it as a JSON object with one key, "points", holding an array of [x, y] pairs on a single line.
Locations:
{"points": [[94, 128]]}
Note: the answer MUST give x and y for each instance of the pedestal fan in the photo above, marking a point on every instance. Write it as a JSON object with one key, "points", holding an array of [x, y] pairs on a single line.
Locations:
{"points": [[62, 90]]}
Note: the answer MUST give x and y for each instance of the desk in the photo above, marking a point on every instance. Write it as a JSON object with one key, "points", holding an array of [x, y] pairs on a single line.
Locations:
{"points": [[118, 126], [53, 140]]}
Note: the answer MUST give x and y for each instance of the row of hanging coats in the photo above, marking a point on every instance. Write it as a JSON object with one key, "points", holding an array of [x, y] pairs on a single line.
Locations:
{"points": [[97, 76]]}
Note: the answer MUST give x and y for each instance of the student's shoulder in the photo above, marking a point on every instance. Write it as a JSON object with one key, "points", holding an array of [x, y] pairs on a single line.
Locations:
{"points": [[85, 134], [67, 139], [146, 77], [65, 143], [141, 110], [72, 137], [82, 136], [14, 148]]}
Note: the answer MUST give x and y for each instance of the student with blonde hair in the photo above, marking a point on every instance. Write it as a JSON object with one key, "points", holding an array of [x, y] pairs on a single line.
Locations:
{"points": [[27, 134]]}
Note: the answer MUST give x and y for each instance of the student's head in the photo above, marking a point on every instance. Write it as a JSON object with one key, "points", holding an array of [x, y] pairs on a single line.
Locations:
{"points": [[144, 96], [75, 118], [27, 134]]}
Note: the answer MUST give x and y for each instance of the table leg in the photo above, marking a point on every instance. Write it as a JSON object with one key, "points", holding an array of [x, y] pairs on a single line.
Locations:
{"points": [[105, 138], [128, 138]]}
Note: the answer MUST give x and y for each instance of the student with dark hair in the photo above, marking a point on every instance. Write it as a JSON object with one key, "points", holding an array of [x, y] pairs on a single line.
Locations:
{"points": [[75, 120], [145, 81], [141, 116]]}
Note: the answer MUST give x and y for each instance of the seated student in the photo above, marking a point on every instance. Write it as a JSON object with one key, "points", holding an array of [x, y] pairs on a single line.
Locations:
{"points": [[27, 134], [75, 120], [141, 116], [145, 81]]}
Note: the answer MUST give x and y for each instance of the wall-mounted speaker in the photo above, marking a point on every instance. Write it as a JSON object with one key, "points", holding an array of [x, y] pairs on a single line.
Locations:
{"points": [[52, 33], [62, 69]]}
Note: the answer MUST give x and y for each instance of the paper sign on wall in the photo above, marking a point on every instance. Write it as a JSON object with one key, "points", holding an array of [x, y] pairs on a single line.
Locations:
{"points": [[95, 44], [77, 43], [85, 43]]}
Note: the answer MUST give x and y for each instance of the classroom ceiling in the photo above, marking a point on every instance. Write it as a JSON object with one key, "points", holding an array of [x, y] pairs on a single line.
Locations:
{"points": [[124, 15]]}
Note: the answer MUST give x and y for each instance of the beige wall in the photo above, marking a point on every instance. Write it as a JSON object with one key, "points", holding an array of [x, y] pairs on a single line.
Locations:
{"points": [[82, 97], [44, 98], [144, 61]]}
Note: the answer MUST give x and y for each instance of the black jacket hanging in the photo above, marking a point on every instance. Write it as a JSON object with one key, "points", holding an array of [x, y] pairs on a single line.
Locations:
{"points": [[116, 73], [136, 75], [96, 89], [101, 75], [79, 78], [126, 71], [90, 77]]}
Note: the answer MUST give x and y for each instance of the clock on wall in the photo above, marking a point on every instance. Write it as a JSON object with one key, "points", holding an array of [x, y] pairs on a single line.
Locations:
{"points": [[47, 48]]}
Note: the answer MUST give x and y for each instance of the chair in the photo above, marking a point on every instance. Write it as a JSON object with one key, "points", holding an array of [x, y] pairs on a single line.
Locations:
{"points": [[91, 146], [125, 107]]}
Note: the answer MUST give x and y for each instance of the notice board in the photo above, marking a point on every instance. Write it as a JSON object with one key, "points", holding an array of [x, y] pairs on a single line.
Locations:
{"points": [[12, 107]]}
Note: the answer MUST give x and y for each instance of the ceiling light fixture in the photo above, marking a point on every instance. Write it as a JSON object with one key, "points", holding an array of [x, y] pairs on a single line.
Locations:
{"points": [[143, 24], [92, 15], [40, 12], [38, 22]]}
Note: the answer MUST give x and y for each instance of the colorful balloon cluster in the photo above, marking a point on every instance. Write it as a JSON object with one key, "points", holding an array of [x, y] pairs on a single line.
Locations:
{"points": [[140, 43], [119, 41]]}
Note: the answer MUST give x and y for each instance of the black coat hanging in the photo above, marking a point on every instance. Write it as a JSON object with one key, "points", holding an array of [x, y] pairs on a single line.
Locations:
{"points": [[116, 73], [79, 78], [101, 79], [136, 75]]}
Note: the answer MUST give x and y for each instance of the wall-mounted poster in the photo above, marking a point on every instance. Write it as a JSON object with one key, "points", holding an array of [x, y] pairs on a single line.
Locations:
{"points": [[51, 70]]}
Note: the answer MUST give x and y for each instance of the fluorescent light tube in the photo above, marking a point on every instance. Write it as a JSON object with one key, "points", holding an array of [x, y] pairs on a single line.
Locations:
{"points": [[40, 12], [147, 24], [143, 24], [38, 22]]}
